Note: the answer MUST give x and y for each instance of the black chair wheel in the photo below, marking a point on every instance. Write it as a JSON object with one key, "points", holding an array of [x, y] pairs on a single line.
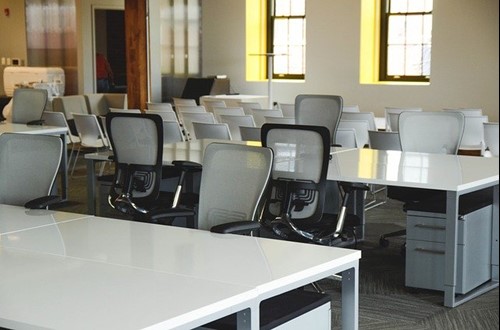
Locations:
{"points": [[383, 242]]}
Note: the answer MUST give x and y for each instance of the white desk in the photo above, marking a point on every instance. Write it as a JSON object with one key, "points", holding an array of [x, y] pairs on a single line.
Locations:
{"points": [[232, 100], [94, 272], [457, 175], [6, 127]]}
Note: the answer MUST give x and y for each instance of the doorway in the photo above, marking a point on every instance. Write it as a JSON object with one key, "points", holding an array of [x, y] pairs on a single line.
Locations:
{"points": [[109, 38]]}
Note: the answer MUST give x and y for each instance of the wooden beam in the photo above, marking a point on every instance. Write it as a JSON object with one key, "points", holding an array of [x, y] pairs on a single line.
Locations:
{"points": [[136, 53]]}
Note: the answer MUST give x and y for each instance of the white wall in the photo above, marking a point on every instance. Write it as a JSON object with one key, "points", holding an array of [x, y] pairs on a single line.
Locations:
{"points": [[465, 57]]}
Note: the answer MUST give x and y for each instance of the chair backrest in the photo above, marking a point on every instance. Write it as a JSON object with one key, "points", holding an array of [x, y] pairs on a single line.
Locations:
{"points": [[181, 101], [298, 178], [431, 132], [190, 108], [165, 115], [89, 131], [368, 116], [346, 137], [279, 120], [28, 166], [361, 127], [160, 106], [124, 110], [473, 131], [28, 104], [248, 106], [172, 132], [99, 103], [218, 111], [234, 122], [210, 104], [288, 109], [392, 117], [137, 142], [250, 133], [52, 118], [491, 138], [69, 105], [319, 110], [233, 182], [211, 131], [350, 108], [187, 119], [260, 114], [384, 140], [467, 111]]}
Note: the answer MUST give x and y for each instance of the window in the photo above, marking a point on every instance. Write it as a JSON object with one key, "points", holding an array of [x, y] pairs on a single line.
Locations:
{"points": [[287, 38], [180, 37], [405, 40]]}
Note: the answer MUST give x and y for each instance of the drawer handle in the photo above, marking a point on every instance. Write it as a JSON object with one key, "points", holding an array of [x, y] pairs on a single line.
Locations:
{"points": [[421, 225], [429, 251]]}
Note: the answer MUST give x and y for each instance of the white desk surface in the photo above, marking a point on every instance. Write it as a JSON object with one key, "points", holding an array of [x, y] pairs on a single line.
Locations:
{"points": [[232, 100], [31, 129], [411, 169], [95, 272]]}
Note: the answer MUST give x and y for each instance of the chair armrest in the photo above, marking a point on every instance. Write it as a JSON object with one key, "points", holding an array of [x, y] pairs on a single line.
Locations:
{"points": [[237, 227], [353, 186], [190, 166], [42, 202], [167, 216]]}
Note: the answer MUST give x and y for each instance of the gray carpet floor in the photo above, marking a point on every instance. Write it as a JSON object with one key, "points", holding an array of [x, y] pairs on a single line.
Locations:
{"points": [[384, 301]]}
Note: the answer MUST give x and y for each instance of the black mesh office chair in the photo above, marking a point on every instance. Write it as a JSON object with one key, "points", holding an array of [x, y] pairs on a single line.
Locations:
{"points": [[137, 143], [295, 206]]}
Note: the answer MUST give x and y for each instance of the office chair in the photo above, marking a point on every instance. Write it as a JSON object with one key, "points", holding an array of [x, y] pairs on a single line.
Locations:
{"points": [[232, 186], [28, 169], [28, 105], [137, 142], [69, 105], [250, 133], [218, 131], [234, 122], [491, 138], [319, 110], [52, 118], [91, 135], [295, 206], [429, 132]]}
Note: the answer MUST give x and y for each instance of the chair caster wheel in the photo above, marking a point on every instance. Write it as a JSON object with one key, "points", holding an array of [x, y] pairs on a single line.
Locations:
{"points": [[383, 242]]}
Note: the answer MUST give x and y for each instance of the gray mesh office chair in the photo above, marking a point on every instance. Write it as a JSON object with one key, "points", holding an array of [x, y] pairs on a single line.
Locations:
{"points": [[28, 169], [319, 110], [295, 206], [137, 142], [429, 132], [233, 182], [28, 105]]}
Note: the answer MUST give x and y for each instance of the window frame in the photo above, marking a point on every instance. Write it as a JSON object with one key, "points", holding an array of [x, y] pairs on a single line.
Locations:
{"points": [[270, 38], [384, 32]]}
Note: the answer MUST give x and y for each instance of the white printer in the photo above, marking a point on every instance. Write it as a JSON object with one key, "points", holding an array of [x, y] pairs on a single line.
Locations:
{"points": [[49, 78]]}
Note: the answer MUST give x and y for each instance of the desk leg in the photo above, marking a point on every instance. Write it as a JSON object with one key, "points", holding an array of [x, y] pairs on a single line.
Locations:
{"points": [[494, 237], [450, 262], [350, 298], [64, 169], [450, 271], [91, 186], [248, 319]]}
